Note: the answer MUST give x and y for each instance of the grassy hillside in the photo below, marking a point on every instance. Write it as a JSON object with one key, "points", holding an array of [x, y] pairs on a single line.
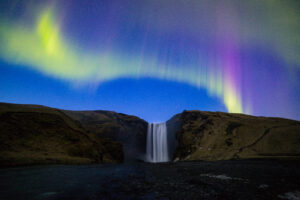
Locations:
{"points": [[129, 130], [31, 134], [222, 136]]}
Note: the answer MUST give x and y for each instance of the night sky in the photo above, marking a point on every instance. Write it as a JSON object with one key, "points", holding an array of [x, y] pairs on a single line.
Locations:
{"points": [[152, 58]]}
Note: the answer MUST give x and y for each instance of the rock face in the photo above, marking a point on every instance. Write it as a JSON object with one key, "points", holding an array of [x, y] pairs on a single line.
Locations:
{"points": [[129, 130], [32, 134], [223, 136]]}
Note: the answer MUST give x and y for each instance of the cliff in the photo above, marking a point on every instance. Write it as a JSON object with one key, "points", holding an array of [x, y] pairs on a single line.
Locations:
{"points": [[31, 134], [129, 130], [223, 136]]}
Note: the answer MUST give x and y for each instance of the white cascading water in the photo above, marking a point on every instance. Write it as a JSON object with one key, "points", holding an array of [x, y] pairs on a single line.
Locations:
{"points": [[157, 143]]}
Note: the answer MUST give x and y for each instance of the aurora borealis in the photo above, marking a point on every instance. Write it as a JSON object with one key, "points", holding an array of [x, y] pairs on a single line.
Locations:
{"points": [[245, 54]]}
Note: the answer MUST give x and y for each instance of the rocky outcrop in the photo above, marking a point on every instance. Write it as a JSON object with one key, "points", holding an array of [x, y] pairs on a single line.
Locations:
{"points": [[129, 130], [31, 134], [223, 136]]}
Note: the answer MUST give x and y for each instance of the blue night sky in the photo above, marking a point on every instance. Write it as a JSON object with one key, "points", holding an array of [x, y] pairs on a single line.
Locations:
{"points": [[152, 59], [151, 99]]}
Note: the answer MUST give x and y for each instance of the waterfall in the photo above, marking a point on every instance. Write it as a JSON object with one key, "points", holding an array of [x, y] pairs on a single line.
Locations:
{"points": [[157, 143]]}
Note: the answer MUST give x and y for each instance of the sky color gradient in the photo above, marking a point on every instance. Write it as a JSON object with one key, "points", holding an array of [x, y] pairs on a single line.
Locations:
{"points": [[153, 58]]}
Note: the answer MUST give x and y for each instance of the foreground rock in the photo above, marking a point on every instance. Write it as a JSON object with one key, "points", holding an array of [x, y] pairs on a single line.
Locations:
{"points": [[223, 136], [32, 134]]}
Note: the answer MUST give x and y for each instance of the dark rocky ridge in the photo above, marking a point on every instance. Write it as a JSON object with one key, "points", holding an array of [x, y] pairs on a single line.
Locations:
{"points": [[223, 136], [32, 134]]}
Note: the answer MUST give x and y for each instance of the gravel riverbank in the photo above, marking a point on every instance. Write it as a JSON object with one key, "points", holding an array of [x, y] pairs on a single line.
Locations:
{"points": [[252, 179]]}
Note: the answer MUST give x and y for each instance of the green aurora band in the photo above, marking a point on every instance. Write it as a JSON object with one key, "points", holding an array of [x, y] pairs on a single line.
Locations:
{"points": [[43, 46]]}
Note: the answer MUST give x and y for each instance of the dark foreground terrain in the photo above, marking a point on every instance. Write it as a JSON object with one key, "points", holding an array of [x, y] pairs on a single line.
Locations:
{"points": [[183, 180]]}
